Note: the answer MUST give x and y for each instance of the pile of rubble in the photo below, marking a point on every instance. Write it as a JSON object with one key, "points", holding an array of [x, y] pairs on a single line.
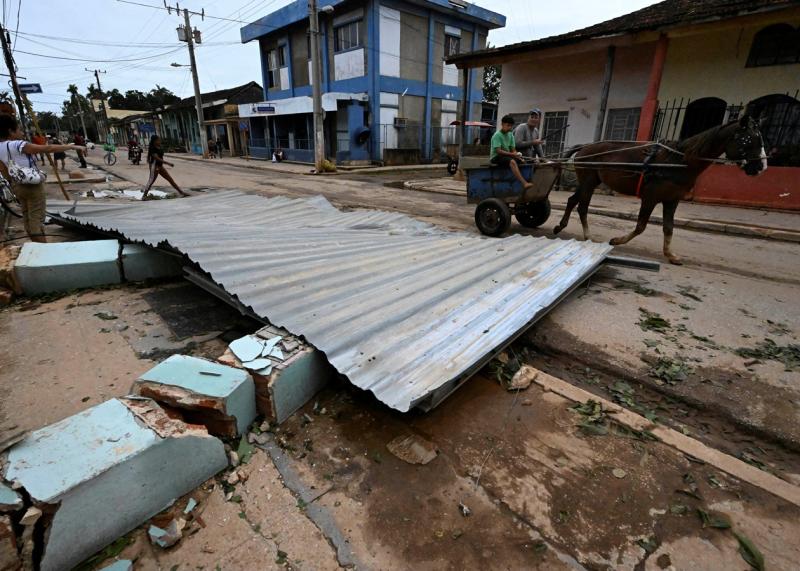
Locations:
{"points": [[66, 489]]}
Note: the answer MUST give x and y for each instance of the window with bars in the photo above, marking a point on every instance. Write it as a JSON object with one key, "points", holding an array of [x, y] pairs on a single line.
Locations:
{"points": [[554, 130], [622, 124], [775, 45], [452, 45], [347, 36], [276, 59]]}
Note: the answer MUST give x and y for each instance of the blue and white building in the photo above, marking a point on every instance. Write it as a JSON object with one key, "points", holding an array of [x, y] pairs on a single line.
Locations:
{"points": [[387, 94]]}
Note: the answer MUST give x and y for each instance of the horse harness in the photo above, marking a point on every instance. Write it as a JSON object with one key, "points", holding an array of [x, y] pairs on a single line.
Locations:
{"points": [[646, 168]]}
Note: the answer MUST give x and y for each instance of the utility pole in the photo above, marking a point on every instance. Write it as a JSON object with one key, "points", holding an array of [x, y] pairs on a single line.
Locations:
{"points": [[80, 114], [188, 35], [12, 72], [103, 114], [316, 86]]}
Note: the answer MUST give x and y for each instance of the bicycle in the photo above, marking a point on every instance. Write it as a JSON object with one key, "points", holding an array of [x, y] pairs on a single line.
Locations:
{"points": [[8, 201], [109, 158]]}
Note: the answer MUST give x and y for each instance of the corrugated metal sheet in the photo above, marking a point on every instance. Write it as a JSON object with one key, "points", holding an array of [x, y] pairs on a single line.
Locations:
{"points": [[400, 307]]}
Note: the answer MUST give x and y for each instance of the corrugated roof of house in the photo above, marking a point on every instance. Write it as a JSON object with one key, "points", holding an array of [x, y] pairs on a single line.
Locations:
{"points": [[218, 95], [667, 14]]}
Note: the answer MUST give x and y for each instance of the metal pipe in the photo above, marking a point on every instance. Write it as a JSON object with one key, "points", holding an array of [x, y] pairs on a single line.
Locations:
{"points": [[638, 263]]}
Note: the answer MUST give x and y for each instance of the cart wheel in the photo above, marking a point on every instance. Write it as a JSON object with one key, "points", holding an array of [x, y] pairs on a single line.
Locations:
{"points": [[493, 217], [533, 214], [452, 167]]}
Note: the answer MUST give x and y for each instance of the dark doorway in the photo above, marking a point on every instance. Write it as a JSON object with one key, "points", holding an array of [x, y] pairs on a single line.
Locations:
{"points": [[702, 114]]}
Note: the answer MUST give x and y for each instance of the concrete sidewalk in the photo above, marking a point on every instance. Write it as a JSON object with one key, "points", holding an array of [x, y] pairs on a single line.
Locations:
{"points": [[770, 224], [303, 168]]}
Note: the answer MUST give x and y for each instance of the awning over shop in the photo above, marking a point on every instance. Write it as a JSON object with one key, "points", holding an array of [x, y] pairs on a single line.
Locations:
{"points": [[295, 105]]}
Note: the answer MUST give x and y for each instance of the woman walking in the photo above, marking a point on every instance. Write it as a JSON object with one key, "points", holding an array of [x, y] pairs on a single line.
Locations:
{"points": [[155, 158], [14, 150]]}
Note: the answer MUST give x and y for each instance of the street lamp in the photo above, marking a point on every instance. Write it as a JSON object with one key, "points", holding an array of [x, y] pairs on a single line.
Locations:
{"points": [[173, 64]]}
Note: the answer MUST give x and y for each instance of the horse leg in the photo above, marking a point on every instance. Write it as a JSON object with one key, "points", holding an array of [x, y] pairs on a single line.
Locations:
{"points": [[645, 210], [588, 180], [583, 211], [669, 224]]}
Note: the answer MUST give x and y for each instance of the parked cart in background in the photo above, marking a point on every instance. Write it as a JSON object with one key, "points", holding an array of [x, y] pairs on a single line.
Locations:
{"points": [[478, 146]]}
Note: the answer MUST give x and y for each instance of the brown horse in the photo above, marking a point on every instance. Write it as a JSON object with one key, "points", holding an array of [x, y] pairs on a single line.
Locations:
{"points": [[740, 140]]}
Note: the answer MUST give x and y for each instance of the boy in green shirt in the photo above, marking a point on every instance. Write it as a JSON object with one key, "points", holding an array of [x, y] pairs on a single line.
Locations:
{"points": [[503, 150]]}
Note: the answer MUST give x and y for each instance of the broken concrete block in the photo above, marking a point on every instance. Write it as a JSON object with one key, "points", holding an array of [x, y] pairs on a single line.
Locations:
{"points": [[297, 373], [62, 266], [140, 263], [218, 397], [32, 515], [9, 555], [102, 472], [167, 537], [412, 449], [523, 378], [121, 565], [9, 499]]}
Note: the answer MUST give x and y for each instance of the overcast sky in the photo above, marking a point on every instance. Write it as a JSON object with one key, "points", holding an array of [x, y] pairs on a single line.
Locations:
{"points": [[142, 41]]}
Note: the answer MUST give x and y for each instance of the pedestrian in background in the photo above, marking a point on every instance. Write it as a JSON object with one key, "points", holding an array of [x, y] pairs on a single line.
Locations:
{"points": [[58, 155], [80, 142], [39, 140], [20, 153], [155, 158], [212, 149]]}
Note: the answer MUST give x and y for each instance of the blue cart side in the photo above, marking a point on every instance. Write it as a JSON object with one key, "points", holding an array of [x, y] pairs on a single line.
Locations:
{"points": [[495, 182]]}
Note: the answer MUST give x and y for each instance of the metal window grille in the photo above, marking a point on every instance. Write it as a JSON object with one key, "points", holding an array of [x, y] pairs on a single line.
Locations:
{"points": [[775, 45], [781, 129], [347, 36], [452, 45], [273, 69], [554, 130], [622, 124]]}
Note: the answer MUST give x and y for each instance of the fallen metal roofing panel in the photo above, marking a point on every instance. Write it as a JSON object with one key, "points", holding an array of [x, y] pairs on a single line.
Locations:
{"points": [[400, 307]]}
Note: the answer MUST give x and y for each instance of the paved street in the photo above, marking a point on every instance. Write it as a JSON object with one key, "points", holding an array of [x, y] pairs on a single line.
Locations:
{"points": [[547, 495]]}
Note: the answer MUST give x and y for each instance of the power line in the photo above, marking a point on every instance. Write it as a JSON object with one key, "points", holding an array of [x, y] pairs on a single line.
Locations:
{"points": [[99, 60], [28, 35], [19, 7]]}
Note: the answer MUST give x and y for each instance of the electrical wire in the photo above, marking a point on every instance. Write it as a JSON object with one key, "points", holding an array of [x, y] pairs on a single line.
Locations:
{"points": [[100, 60], [19, 7]]}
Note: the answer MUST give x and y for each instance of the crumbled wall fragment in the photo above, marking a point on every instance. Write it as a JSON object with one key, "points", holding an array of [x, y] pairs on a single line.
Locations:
{"points": [[102, 472]]}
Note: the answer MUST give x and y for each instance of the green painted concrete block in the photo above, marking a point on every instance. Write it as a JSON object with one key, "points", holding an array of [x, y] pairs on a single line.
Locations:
{"points": [[63, 266]]}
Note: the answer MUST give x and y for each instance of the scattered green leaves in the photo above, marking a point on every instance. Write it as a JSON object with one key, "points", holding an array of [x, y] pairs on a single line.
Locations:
{"points": [[651, 321], [112, 550], [689, 292], [679, 509], [789, 354], [245, 450], [281, 557], [637, 287], [715, 520], [750, 552], [670, 370], [649, 544], [594, 421]]}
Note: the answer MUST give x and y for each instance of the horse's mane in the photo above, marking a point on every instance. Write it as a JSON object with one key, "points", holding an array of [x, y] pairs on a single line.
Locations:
{"points": [[694, 146]]}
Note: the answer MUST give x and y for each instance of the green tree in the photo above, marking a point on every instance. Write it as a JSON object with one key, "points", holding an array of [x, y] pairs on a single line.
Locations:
{"points": [[161, 97], [492, 74], [48, 121]]}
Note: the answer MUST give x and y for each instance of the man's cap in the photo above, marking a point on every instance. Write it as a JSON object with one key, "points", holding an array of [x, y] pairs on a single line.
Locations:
{"points": [[535, 111]]}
